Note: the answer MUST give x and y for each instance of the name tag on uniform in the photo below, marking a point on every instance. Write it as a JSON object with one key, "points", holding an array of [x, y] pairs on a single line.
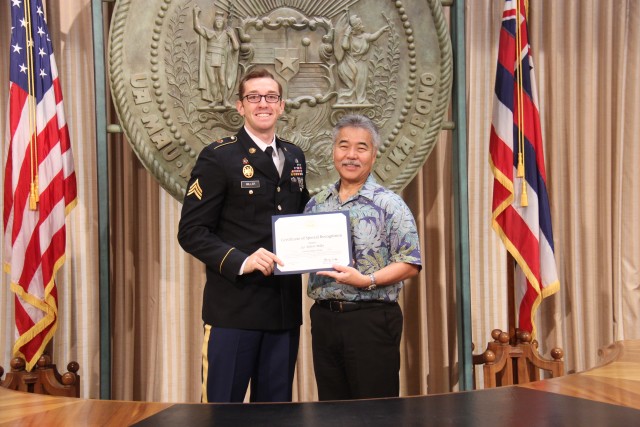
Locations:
{"points": [[249, 184]]}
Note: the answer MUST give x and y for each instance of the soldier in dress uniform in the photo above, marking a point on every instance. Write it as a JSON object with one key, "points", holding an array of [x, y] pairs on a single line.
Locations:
{"points": [[251, 317]]}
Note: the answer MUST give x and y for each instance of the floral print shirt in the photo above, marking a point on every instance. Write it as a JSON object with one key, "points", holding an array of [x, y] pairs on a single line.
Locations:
{"points": [[383, 232]]}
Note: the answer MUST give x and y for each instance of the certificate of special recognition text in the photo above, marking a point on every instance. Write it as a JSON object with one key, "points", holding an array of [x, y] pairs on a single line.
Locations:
{"points": [[311, 242]]}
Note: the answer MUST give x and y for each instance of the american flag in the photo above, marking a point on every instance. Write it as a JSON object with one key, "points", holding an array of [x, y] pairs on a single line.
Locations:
{"points": [[521, 214], [39, 180]]}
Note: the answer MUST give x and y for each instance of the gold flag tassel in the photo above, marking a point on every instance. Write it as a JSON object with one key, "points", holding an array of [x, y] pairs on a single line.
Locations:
{"points": [[524, 200], [520, 165], [33, 198], [37, 188]]}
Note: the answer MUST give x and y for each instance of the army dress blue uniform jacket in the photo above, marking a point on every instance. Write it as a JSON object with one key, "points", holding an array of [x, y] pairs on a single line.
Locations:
{"points": [[233, 192]]}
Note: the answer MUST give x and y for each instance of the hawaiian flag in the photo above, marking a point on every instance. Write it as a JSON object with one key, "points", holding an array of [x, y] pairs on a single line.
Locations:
{"points": [[521, 214], [39, 180]]}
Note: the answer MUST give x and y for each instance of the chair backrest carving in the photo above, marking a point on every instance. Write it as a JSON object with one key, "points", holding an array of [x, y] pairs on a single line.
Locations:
{"points": [[507, 363], [43, 379]]}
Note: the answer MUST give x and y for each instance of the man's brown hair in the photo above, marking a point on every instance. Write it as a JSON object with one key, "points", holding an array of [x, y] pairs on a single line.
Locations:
{"points": [[256, 73]]}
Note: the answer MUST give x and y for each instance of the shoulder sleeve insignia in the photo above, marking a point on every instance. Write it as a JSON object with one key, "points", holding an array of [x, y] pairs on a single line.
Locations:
{"points": [[195, 189]]}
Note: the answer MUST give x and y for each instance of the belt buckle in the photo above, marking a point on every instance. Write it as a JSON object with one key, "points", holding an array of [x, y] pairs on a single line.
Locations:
{"points": [[336, 306]]}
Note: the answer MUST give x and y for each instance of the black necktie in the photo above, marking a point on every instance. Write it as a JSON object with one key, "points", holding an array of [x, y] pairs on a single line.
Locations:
{"points": [[269, 152]]}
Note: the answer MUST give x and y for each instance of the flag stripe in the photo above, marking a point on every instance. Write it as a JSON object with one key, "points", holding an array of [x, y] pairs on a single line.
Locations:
{"points": [[536, 183]]}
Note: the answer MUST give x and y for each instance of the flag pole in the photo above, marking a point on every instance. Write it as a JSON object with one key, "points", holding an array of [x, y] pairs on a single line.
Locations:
{"points": [[511, 261], [511, 297]]}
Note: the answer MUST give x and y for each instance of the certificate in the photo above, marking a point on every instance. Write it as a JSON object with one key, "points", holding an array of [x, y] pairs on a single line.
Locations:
{"points": [[311, 242]]}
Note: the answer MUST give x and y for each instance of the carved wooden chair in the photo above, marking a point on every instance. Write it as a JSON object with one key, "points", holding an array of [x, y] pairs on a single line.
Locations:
{"points": [[43, 379], [505, 363]]}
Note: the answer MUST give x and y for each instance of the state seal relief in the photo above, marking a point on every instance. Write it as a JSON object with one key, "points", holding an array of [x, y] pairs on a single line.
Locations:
{"points": [[174, 77]]}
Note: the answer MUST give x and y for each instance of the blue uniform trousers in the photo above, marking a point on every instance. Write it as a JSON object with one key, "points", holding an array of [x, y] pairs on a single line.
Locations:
{"points": [[233, 357]]}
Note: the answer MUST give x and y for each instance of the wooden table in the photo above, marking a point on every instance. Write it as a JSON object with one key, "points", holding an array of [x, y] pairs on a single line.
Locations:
{"points": [[605, 396], [615, 381]]}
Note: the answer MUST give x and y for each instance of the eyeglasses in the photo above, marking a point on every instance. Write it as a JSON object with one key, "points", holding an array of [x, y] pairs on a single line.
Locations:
{"points": [[254, 98]]}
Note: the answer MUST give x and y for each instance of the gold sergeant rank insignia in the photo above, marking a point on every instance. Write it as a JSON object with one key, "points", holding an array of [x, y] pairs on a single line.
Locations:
{"points": [[195, 189]]}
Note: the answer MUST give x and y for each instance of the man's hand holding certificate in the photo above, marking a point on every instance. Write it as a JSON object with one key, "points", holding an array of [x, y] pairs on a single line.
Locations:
{"points": [[311, 242]]}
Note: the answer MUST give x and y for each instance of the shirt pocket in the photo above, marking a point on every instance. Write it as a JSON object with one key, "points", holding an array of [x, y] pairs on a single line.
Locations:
{"points": [[243, 197]]}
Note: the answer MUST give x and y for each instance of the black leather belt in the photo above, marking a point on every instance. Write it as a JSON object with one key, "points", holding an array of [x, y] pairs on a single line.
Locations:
{"points": [[345, 306]]}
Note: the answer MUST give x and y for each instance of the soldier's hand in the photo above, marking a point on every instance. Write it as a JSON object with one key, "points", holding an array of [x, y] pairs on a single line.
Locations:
{"points": [[262, 260]]}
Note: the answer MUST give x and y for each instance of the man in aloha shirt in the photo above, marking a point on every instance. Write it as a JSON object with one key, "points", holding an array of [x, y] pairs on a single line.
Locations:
{"points": [[356, 322]]}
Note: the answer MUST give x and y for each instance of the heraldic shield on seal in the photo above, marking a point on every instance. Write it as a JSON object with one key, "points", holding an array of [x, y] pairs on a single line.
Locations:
{"points": [[174, 68]]}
